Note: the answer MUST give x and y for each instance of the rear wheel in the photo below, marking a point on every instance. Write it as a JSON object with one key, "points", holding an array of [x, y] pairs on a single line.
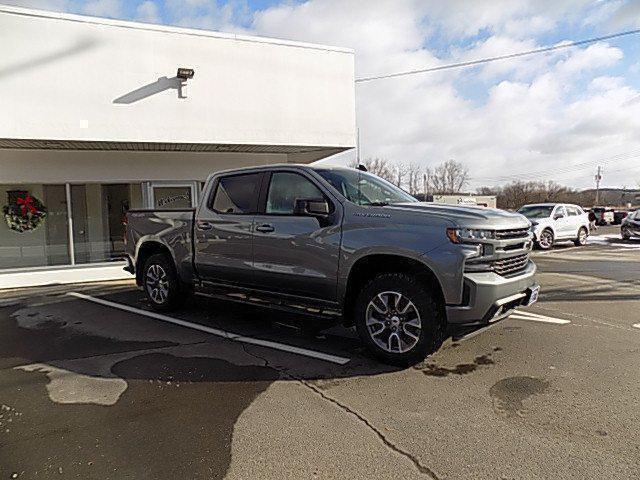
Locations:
{"points": [[161, 283], [398, 319], [625, 233], [581, 239], [545, 242]]}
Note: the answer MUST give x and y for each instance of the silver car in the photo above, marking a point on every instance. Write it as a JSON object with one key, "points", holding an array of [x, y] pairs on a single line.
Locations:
{"points": [[631, 226]]}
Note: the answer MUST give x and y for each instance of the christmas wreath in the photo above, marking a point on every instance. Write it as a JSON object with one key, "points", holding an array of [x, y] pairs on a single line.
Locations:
{"points": [[23, 212]]}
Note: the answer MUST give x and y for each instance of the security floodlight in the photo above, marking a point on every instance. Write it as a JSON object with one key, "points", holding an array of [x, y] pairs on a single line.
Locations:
{"points": [[185, 73]]}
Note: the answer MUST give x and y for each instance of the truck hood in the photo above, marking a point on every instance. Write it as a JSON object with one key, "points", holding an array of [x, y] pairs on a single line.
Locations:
{"points": [[467, 216]]}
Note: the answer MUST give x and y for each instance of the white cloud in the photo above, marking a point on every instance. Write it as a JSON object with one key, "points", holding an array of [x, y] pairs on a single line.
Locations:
{"points": [[209, 14], [627, 14], [148, 12], [103, 8], [507, 117], [52, 5]]}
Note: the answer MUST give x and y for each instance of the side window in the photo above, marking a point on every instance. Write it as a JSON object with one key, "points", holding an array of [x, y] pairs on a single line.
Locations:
{"points": [[560, 211], [572, 211], [285, 188], [236, 194]]}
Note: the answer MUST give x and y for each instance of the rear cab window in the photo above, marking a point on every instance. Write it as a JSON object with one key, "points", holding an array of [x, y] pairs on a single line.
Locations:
{"points": [[237, 194]]}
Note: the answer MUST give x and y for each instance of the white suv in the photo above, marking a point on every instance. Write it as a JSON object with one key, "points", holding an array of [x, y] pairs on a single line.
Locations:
{"points": [[557, 221]]}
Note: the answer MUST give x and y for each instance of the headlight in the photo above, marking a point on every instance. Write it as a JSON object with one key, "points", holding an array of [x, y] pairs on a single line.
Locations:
{"points": [[459, 235]]}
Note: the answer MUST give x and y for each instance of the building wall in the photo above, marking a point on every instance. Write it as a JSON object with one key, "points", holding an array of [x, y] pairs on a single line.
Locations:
{"points": [[61, 166], [68, 77]]}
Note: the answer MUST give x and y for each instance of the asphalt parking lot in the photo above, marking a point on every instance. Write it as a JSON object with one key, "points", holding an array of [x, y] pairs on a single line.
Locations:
{"points": [[98, 389]]}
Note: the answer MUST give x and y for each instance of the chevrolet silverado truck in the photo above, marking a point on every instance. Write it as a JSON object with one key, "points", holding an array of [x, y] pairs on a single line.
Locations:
{"points": [[343, 245]]}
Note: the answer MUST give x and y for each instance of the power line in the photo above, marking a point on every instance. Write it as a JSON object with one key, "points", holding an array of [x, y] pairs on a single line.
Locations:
{"points": [[558, 171], [500, 57]]}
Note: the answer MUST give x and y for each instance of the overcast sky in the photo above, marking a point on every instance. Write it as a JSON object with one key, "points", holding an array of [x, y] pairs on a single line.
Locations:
{"points": [[526, 118]]}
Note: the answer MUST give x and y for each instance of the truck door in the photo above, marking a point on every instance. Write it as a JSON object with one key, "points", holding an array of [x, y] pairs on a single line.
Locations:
{"points": [[223, 229], [296, 253]]}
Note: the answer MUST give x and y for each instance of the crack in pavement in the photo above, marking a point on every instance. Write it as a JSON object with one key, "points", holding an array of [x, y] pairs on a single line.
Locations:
{"points": [[346, 409]]}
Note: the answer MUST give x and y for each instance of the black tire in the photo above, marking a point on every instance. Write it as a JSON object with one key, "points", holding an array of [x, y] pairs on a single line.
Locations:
{"points": [[159, 275], [581, 239], [430, 334], [542, 243], [625, 234]]}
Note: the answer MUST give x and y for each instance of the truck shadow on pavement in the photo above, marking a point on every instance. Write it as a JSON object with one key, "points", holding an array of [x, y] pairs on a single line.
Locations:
{"points": [[103, 405], [174, 420]]}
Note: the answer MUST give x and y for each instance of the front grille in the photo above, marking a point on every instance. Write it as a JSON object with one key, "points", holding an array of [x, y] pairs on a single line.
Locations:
{"points": [[512, 233], [511, 265]]}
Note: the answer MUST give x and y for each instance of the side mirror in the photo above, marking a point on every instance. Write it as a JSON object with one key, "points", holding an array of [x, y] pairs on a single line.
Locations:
{"points": [[558, 216], [314, 207]]}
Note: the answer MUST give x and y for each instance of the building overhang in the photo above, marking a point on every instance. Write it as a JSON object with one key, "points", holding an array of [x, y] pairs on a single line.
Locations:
{"points": [[39, 144]]}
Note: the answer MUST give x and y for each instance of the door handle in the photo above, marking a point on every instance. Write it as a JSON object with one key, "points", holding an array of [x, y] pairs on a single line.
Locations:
{"points": [[204, 225], [265, 228]]}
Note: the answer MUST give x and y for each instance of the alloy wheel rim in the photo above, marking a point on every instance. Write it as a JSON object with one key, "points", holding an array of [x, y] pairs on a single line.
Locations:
{"points": [[393, 322], [583, 237], [157, 284], [545, 239]]}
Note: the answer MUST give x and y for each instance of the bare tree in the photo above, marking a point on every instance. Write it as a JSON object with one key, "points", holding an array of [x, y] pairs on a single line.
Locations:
{"points": [[377, 166], [516, 194], [449, 177], [401, 171], [414, 173]]}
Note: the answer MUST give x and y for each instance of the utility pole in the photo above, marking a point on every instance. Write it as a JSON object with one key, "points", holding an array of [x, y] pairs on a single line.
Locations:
{"points": [[598, 178], [425, 183]]}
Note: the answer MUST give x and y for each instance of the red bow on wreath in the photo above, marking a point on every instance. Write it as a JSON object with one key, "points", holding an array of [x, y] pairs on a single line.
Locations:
{"points": [[26, 203]]}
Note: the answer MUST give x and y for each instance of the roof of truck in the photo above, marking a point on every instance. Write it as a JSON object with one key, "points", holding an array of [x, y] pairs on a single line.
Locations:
{"points": [[260, 168]]}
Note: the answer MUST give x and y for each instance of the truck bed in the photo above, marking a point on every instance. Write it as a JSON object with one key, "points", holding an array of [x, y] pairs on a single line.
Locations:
{"points": [[171, 228]]}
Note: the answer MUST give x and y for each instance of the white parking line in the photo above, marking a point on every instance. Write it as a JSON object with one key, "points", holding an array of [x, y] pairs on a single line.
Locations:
{"points": [[636, 325], [534, 317], [214, 331]]}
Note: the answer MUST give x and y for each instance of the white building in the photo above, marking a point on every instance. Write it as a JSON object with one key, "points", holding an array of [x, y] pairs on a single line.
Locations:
{"points": [[95, 121]]}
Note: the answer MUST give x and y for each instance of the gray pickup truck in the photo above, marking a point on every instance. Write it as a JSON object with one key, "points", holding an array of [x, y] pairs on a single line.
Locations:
{"points": [[343, 245]]}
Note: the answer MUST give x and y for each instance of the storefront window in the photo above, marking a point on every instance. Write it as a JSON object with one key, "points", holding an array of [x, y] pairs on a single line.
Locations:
{"points": [[33, 227], [98, 212], [172, 196]]}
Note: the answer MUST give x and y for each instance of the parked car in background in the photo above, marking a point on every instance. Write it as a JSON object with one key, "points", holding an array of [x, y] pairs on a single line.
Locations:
{"points": [[553, 222], [339, 243], [631, 226], [619, 216], [604, 215]]}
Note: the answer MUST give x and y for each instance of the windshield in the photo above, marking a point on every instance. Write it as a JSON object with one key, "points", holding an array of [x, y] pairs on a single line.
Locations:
{"points": [[536, 211], [364, 188]]}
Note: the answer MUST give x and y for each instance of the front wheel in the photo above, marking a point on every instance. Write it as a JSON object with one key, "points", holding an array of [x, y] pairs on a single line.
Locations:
{"points": [[625, 234], [161, 283], [545, 242], [581, 239], [398, 319]]}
